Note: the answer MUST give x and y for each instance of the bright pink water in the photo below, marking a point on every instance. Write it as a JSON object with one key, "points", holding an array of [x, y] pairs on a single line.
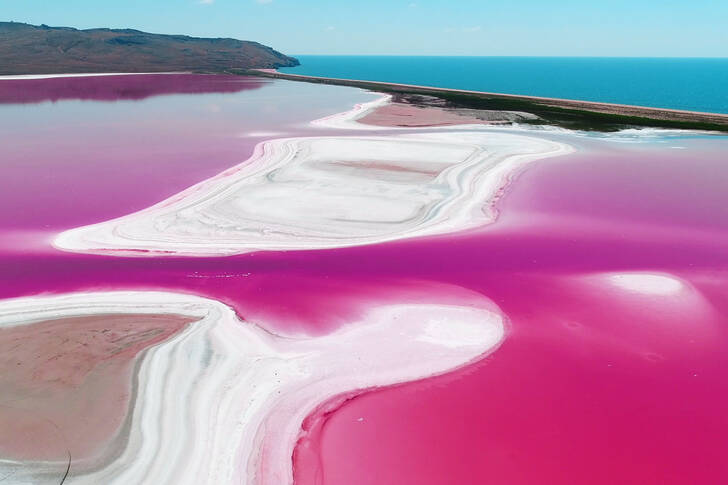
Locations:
{"points": [[593, 384]]}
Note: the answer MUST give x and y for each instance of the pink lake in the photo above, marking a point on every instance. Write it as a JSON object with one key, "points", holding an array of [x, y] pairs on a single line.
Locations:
{"points": [[597, 381]]}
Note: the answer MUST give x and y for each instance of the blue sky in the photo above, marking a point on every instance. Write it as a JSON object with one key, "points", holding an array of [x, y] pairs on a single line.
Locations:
{"points": [[415, 27]]}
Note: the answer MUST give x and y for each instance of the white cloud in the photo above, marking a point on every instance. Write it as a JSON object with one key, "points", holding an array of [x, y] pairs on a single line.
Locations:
{"points": [[475, 28], [330, 28], [264, 1], [206, 2]]}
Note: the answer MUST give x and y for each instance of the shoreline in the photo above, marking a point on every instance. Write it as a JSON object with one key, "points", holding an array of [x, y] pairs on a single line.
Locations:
{"points": [[593, 113], [18, 77], [253, 389], [134, 234]]}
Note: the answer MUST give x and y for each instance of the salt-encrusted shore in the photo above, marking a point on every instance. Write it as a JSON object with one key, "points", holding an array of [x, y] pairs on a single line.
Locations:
{"points": [[222, 401], [328, 192], [14, 77]]}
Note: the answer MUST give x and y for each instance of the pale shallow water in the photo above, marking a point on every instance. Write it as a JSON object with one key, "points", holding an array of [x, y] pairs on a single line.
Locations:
{"points": [[609, 265]]}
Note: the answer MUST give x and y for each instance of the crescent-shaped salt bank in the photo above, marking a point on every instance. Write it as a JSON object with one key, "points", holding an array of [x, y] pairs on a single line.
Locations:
{"points": [[327, 192], [222, 401]]}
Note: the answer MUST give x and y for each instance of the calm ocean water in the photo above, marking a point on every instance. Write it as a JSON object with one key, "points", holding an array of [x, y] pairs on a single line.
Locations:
{"points": [[689, 84]]}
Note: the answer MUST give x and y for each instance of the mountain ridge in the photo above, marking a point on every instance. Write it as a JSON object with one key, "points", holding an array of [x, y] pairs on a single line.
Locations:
{"points": [[41, 49]]}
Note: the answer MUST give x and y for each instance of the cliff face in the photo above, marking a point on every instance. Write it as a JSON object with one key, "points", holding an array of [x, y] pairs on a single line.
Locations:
{"points": [[30, 49]]}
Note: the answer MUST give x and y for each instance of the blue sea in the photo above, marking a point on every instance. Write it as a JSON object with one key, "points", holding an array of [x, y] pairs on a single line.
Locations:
{"points": [[695, 84]]}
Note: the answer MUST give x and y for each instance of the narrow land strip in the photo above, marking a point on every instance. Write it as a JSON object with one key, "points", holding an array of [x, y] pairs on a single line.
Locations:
{"points": [[568, 113]]}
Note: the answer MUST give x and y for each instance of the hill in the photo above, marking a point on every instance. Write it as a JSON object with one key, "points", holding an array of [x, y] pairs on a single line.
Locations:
{"points": [[30, 49]]}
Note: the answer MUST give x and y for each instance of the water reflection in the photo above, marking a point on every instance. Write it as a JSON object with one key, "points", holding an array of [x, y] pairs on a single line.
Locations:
{"points": [[120, 87]]}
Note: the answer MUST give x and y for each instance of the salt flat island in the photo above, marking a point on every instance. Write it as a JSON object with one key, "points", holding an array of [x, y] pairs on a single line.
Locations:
{"points": [[327, 192], [238, 279], [247, 390]]}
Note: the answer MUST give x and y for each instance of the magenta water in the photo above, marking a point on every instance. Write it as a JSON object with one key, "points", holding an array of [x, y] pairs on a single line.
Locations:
{"points": [[69, 162], [119, 87], [594, 383]]}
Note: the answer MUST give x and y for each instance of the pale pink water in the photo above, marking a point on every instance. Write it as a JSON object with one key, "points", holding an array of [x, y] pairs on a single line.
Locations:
{"points": [[593, 384]]}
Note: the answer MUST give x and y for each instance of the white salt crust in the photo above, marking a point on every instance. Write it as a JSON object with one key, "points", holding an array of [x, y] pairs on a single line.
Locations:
{"points": [[647, 283], [223, 401], [90, 74], [327, 192]]}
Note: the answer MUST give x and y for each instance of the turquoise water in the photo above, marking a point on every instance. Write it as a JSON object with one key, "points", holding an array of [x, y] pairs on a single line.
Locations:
{"points": [[689, 84]]}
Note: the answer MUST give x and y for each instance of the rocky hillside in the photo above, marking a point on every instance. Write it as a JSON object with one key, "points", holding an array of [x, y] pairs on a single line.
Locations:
{"points": [[30, 49]]}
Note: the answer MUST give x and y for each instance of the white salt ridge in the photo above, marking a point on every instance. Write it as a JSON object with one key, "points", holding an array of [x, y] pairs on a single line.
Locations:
{"points": [[647, 283], [223, 401], [348, 120], [89, 74], [258, 134], [327, 192]]}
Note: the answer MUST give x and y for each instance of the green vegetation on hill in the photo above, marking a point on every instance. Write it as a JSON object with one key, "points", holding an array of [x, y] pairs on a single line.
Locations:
{"points": [[30, 49]]}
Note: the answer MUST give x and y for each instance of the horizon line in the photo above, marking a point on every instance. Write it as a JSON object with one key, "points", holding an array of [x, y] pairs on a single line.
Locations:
{"points": [[512, 55]]}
